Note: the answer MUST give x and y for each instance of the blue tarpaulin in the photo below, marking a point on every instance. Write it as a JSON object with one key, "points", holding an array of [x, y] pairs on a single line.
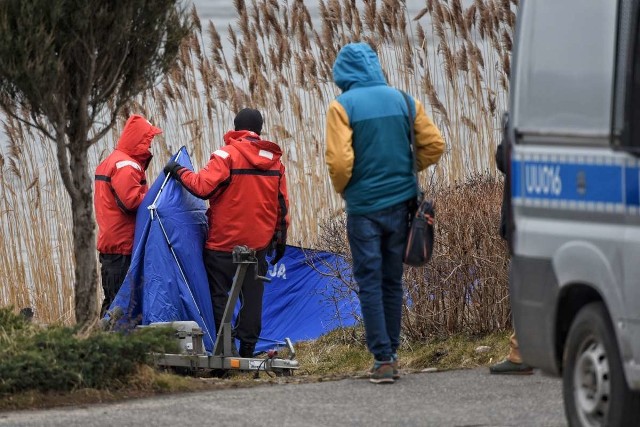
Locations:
{"points": [[300, 302], [167, 280]]}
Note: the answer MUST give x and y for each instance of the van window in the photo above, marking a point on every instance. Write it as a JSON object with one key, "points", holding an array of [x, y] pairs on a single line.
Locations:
{"points": [[565, 67], [634, 98]]}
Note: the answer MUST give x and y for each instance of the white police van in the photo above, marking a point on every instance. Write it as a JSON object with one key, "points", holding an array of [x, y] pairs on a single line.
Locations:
{"points": [[573, 141]]}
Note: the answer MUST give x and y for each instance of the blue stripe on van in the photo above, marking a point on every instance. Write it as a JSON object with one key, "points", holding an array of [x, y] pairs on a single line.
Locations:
{"points": [[574, 182]]}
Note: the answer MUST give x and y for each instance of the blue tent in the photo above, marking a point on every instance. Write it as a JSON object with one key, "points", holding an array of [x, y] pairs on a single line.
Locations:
{"points": [[167, 280], [163, 283]]}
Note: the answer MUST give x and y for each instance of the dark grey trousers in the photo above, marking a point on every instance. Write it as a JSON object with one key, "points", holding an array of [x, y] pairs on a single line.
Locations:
{"points": [[113, 269], [220, 273]]}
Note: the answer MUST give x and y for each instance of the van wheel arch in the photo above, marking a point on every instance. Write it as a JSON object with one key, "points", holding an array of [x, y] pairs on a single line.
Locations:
{"points": [[571, 300]]}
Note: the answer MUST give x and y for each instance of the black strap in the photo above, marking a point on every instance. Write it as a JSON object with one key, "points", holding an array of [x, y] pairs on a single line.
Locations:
{"points": [[283, 214], [258, 172], [413, 143], [119, 202]]}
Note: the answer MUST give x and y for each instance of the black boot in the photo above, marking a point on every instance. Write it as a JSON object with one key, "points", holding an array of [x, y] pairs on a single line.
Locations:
{"points": [[247, 349]]}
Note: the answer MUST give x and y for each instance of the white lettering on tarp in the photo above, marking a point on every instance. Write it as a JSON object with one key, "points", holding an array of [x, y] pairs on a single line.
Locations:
{"points": [[279, 270], [543, 180]]}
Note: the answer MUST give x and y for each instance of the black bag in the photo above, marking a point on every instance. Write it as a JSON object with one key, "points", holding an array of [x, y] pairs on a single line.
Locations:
{"points": [[421, 229], [419, 246]]}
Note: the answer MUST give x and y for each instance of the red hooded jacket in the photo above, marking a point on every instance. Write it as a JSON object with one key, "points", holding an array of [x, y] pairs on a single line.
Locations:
{"points": [[121, 184], [247, 191]]}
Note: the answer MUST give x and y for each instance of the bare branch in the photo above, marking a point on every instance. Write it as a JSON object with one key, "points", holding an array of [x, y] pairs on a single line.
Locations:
{"points": [[35, 125], [102, 132]]}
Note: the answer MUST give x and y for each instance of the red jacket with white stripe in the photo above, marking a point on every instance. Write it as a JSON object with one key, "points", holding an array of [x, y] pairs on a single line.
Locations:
{"points": [[121, 184], [247, 191]]}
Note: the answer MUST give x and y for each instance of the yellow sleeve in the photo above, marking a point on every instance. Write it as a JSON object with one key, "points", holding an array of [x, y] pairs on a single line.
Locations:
{"points": [[429, 142], [339, 152]]}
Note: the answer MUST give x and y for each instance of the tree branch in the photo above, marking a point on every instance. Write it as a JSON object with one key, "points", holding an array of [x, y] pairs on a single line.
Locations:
{"points": [[63, 163], [83, 113], [9, 111], [102, 132], [112, 86]]}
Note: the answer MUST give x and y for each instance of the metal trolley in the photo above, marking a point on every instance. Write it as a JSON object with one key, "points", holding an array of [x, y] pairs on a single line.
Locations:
{"points": [[223, 357]]}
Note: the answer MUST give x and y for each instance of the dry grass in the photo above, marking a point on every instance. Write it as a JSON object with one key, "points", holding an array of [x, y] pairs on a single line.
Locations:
{"points": [[464, 288], [343, 353], [454, 59]]}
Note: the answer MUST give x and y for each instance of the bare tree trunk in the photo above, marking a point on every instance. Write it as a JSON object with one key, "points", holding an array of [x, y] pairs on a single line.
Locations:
{"points": [[84, 239]]}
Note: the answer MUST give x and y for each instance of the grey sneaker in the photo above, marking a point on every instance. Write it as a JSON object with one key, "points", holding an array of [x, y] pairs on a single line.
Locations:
{"points": [[396, 371], [507, 367], [382, 374]]}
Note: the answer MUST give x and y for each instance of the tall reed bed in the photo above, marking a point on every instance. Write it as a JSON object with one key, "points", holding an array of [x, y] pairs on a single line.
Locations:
{"points": [[277, 58], [36, 268]]}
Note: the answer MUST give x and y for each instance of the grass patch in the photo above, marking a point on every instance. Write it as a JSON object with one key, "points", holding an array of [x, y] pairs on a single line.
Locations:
{"points": [[456, 352], [332, 355]]}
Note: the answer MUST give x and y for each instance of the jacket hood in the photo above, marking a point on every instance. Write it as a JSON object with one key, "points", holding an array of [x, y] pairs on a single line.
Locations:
{"points": [[136, 137], [262, 154], [357, 65]]}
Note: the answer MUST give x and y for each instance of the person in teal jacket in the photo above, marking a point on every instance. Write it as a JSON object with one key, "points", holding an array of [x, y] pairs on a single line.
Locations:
{"points": [[370, 164]]}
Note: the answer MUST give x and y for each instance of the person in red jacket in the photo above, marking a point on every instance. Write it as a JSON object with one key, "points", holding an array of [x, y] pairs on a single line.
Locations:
{"points": [[121, 184], [247, 191]]}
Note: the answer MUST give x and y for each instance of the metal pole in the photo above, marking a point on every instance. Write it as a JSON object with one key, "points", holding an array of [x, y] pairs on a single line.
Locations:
{"points": [[223, 340]]}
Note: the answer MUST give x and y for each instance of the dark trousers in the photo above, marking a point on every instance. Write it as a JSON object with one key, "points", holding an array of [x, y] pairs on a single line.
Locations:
{"points": [[377, 242], [113, 269], [220, 273]]}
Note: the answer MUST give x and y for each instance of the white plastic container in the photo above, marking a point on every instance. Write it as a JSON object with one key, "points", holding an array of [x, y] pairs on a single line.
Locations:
{"points": [[188, 333]]}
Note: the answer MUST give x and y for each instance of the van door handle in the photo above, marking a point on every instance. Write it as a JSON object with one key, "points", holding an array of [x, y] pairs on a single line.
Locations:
{"points": [[581, 183]]}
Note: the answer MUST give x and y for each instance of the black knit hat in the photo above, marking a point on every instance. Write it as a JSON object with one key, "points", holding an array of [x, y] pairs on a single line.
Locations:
{"points": [[248, 119]]}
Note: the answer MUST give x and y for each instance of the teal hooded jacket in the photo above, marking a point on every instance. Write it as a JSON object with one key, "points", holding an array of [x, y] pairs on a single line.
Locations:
{"points": [[368, 135]]}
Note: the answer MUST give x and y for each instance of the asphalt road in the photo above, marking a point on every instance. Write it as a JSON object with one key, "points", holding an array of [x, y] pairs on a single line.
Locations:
{"points": [[463, 398]]}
